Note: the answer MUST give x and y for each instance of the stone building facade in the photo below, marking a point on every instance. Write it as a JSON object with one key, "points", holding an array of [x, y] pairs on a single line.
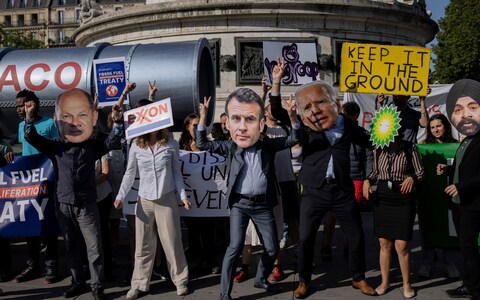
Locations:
{"points": [[236, 30], [51, 21]]}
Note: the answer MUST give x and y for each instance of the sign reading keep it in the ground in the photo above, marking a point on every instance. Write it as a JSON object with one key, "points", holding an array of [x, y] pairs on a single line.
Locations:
{"points": [[395, 70]]}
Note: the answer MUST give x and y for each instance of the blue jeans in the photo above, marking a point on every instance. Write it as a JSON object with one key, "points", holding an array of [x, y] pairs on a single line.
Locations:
{"points": [[262, 216]]}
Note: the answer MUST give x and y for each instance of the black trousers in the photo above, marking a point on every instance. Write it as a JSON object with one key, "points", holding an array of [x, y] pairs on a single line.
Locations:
{"points": [[51, 253], [316, 202], [468, 231]]}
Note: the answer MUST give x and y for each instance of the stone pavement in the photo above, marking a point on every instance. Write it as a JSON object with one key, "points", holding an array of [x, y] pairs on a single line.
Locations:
{"points": [[331, 280]]}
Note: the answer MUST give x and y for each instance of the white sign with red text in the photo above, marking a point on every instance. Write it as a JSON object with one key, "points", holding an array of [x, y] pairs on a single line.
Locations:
{"points": [[148, 118]]}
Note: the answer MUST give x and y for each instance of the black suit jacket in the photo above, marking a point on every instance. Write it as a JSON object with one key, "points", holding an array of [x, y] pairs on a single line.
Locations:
{"points": [[468, 185], [316, 152]]}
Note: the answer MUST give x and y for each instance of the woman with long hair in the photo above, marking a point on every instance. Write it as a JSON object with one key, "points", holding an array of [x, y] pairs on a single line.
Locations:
{"points": [[201, 231], [439, 131], [187, 137], [156, 156]]}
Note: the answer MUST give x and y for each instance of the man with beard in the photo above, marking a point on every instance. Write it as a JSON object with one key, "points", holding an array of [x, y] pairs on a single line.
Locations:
{"points": [[463, 109]]}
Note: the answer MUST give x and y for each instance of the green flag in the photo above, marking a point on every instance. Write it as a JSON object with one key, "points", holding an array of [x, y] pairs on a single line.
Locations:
{"points": [[433, 203]]}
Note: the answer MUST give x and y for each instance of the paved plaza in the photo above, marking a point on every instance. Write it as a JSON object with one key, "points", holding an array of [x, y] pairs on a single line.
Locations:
{"points": [[331, 279]]}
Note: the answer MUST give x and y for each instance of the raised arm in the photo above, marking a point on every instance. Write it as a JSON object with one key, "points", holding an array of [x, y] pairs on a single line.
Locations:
{"points": [[220, 147], [423, 110], [130, 86], [114, 139], [152, 90], [42, 144]]}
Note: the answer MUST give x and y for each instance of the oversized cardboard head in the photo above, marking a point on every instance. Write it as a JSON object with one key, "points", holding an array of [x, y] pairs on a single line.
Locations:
{"points": [[463, 108]]}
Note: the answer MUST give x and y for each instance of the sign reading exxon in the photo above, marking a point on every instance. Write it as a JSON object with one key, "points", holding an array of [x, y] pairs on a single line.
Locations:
{"points": [[148, 118]]}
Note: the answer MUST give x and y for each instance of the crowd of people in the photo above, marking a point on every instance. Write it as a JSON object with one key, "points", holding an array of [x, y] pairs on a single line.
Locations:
{"points": [[293, 164]]}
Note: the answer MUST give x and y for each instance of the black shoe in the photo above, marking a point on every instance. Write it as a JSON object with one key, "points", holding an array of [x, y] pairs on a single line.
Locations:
{"points": [[128, 276], [29, 273], [271, 288], [98, 294], [326, 253], [51, 276], [216, 270], [460, 292], [75, 290], [4, 276]]}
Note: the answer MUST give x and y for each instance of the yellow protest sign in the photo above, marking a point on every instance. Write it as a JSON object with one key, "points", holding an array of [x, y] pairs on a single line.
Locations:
{"points": [[396, 70]]}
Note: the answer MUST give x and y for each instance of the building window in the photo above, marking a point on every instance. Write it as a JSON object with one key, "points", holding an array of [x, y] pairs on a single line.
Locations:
{"points": [[8, 21], [34, 19], [118, 8], [61, 2], [77, 14], [20, 20], [61, 17], [37, 3], [10, 3], [23, 4], [60, 36]]}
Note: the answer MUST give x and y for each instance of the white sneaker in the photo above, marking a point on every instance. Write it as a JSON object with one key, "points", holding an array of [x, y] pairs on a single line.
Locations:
{"points": [[132, 294], [182, 290]]}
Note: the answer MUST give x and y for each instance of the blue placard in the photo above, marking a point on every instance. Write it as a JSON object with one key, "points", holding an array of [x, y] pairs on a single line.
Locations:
{"points": [[110, 80], [27, 205]]}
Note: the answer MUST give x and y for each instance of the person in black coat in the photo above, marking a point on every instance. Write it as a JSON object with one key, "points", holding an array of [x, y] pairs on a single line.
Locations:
{"points": [[463, 110], [325, 176]]}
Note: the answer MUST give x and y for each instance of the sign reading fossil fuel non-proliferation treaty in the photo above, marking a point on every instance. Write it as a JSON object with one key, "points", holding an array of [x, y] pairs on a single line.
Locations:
{"points": [[399, 70]]}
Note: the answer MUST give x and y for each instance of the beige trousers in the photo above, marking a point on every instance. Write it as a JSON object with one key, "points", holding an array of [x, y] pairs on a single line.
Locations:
{"points": [[158, 216]]}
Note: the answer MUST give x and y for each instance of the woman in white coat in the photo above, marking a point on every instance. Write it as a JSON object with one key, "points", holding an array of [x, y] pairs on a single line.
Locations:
{"points": [[156, 157]]}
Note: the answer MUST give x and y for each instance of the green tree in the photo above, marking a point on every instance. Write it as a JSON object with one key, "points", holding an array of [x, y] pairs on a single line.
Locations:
{"points": [[18, 40], [458, 47]]}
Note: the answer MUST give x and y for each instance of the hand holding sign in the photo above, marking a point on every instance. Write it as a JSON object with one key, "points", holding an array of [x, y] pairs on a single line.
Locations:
{"points": [[118, 204], [186, 204]]}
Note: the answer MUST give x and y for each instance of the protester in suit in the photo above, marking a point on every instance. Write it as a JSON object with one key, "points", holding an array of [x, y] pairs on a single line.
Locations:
{"points": [[463, 110], [74, 164], [252, 187], [325, 176]]}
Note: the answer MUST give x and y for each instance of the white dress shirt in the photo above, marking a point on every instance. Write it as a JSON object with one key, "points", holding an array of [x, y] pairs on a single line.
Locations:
{"points": [[159, 170]]}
